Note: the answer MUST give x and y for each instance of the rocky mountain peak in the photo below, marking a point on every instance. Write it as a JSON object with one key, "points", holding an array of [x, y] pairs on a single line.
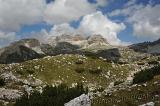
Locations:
{"points": [[96, 39], [63, 38], [27, 42], [78, 37]]}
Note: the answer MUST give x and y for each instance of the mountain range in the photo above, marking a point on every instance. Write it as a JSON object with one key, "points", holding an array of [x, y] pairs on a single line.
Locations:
{"points": [[28, 49]]}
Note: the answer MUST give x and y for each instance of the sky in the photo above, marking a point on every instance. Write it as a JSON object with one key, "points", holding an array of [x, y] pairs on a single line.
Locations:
{"points": [[121, 22]]}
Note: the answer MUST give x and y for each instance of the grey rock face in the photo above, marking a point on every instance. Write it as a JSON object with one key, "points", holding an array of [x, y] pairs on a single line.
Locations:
{"points": [[110, 54], [96, 39], [82, 100], [64, 48], [17, 53]]}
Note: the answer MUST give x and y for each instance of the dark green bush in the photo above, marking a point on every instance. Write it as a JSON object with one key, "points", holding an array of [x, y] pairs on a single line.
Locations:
{"points": [[79, 62], [140, 63], [20, 72], [30, 71], [79, 70], [153, 62], [100, 89], [146, 75], [95, 71], [51, 96], [2, 82], [143, 76]]}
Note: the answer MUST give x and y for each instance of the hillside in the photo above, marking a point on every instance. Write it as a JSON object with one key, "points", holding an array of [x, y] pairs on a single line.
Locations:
{"points": [[108, 73]]}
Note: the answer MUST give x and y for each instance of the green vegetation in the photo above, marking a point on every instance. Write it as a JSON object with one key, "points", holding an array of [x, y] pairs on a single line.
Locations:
{"points": [[146, 75], [153, 62], [79, 70], [79, 62], [2, 82], [118, 82], [51, 96], [65, 69], [135, 96], [95, 71]]}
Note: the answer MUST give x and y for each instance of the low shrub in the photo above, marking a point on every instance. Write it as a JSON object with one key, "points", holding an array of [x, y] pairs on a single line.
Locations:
{"points": [[30, 71], [140, 63], [146, 75], [20, 72], [153, 62], [95, 71], [2, 82], [79, 70], [79, 62]]}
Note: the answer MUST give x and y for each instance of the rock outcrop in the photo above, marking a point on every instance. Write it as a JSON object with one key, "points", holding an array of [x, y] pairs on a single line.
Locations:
{"points": [[148, 104], [17, 53], [82, 100]]}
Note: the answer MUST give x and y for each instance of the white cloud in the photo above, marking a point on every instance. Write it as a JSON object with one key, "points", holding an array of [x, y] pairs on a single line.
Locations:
{"points": [[42, 36], [6, 38], [130, 3], [97, 23], [64, 11], [128, 10], [145, 19], [102, 2], [146, 22], [62, 29], [14, 13]]}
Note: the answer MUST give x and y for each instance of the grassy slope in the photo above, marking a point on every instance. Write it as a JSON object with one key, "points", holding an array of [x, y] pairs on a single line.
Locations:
{"points": [[62, 67]]}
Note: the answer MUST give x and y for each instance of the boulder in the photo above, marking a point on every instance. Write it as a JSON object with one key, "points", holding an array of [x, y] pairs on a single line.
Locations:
{"points": [[148, 104], [82, 100]]}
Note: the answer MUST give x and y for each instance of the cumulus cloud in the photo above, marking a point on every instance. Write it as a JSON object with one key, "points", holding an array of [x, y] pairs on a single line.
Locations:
{"points": [[102, 2], [62, 29], [128, 10], [63, 11], [14, 13], [6, 38], [146, 22], [95, 23], [145, 19]]}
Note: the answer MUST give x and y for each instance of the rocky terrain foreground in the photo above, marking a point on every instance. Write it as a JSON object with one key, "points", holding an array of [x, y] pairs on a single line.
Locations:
{"points": [[109, 72]]}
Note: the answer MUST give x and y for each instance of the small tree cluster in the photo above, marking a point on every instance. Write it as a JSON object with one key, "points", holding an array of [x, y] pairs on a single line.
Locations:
{"points": [[51, 96], [146, 75]]}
